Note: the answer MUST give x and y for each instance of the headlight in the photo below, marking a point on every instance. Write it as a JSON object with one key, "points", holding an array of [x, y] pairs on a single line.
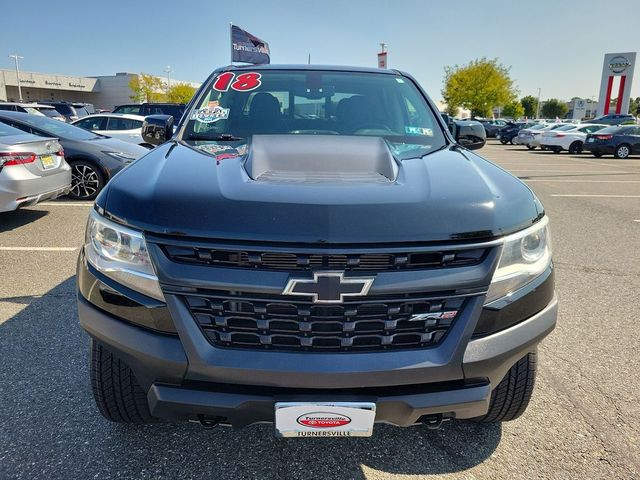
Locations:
{"points": [[122, 156], [121, 254], [525, 255]]}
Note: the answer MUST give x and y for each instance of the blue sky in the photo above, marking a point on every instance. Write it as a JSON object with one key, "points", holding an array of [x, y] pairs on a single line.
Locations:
{"points": [[555, 45]]}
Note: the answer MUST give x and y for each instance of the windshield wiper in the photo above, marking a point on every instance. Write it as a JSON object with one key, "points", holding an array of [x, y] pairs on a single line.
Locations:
{"points": [[228, 137]]}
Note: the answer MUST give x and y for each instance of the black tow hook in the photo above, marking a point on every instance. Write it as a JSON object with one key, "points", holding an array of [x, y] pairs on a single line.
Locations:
{"points": [[211, 422], [433, 422]]}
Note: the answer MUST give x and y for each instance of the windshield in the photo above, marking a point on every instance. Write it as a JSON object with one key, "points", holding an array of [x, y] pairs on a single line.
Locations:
{"points": [[237, 105], [49, 112], [56, 128], [538, 126], [615, 129]]}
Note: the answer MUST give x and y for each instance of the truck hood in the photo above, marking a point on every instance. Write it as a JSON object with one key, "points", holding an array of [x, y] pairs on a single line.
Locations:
{"points": [[450, 194]]}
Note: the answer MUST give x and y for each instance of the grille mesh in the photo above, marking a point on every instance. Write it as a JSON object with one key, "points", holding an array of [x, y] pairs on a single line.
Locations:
{"points": [[233, 319]]}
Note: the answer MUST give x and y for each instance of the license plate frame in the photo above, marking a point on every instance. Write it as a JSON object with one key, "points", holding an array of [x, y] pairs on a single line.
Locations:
{"points": [[324, 419], [48, 162]]}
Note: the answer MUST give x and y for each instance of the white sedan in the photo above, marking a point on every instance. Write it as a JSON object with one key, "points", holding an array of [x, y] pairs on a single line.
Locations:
{"points": [[122, 126], [570, 137]]}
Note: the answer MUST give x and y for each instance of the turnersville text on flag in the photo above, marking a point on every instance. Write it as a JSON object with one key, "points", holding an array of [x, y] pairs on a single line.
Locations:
{"points": [[248, 48]]}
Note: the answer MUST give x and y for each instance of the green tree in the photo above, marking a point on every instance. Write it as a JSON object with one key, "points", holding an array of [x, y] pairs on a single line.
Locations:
{"points": [[634, 106], [513, 110], [180, 93], [554, 108], [530, 105], [478, 86], [146, 88]]}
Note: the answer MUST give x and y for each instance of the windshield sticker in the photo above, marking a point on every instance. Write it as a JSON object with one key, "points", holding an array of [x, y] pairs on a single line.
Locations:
{"points": [[210, 115], [418, 131], [244, 82]]}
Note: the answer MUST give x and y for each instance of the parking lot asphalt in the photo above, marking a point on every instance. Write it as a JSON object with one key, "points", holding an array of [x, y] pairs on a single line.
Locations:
{"points": [[583, 422]]}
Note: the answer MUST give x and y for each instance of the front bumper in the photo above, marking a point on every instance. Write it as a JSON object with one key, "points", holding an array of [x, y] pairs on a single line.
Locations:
{"points": [[182, 384]]}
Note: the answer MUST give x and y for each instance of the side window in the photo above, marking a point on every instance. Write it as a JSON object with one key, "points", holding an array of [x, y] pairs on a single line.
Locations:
{"points": [[114, 123], [95, 123], [135, 109], [5, 107]]}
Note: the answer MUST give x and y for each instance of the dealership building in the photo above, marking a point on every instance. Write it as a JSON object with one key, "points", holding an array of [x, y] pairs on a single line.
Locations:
{"points": [[102, 91]]}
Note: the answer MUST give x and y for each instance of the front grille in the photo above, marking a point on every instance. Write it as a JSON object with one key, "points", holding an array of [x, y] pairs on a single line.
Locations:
{"points": [[275, 260], [259, 321]]}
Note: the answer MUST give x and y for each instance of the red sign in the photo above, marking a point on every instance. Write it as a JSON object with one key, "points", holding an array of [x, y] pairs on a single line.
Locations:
{"points": [[382, 60]]}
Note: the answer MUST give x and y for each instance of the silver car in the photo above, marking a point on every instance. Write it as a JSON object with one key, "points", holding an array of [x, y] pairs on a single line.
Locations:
{"points": [[32, 169]]}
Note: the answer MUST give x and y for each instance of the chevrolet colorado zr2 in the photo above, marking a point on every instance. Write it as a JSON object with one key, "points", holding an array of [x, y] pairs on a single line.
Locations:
{"points": [[315, 247]]}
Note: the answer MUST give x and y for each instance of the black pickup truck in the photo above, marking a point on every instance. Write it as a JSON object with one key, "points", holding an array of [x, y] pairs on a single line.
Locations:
{"points": [[314, 247]]}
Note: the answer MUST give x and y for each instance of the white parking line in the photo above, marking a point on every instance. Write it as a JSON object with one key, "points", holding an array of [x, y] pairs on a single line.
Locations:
{"points": [[38, 249], [593, 195], [582, 181], [65, 204], [569, 171]]}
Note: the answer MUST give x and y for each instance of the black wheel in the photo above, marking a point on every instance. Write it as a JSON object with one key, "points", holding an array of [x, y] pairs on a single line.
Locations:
{"points": [[575, 147], [531, 147], [86, 180], [503, 141], [511, 397], [597, 154], [115, 388], [511, 141], [622, 151]]}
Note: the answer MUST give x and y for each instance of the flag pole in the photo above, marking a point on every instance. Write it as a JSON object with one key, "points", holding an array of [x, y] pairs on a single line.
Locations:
{"points": [[231, 40]]}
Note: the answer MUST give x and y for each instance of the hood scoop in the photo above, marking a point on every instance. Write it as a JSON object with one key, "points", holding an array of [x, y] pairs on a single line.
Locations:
{"points": [[334, 159]]}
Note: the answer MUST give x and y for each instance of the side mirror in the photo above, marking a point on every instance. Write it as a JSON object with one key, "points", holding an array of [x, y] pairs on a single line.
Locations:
{"points": [[157, 129], [470, 134], [449, 121]]}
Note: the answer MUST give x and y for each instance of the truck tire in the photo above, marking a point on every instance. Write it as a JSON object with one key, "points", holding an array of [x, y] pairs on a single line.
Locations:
{"points": [[510, 398], [115, 389]]}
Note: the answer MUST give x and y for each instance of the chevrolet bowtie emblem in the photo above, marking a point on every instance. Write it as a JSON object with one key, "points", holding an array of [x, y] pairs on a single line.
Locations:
{"points": [[329, 287]]}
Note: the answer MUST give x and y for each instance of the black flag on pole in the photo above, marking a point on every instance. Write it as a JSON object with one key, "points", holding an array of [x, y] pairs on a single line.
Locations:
{"points": [[248, 48]]}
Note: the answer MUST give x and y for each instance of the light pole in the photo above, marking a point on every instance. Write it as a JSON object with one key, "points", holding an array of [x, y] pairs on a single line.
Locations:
{"points": [[17, 58], [538, 105], [168, 72]]}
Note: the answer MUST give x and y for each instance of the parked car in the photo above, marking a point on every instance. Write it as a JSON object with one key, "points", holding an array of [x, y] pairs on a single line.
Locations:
{"points": [[322, 272], [613, 119], [32, 169], [67, 110], [174, 109], [117, 125], [33, 108], [491, 127], [619, 141], [510, 131], [525, 136], [84, 109], [93, 158], [569, 137]]}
